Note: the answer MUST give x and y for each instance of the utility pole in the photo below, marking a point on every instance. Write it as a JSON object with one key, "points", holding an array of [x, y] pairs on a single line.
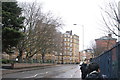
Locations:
{"points": [[82, 34]]}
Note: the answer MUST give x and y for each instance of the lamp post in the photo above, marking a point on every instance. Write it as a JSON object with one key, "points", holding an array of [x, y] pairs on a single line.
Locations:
{"points": [[82, 33]]}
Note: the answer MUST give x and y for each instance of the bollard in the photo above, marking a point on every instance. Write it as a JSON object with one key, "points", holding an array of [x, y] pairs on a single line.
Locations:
{"points": [[12, 65]]}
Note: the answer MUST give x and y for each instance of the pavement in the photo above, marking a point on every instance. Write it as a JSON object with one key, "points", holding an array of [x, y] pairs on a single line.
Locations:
{"points": [[23, 67], [67, 73], [71, 73], [77, 74]]}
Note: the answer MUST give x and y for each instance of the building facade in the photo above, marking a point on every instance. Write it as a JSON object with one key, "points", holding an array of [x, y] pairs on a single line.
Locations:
{"points": [[86, 55], [105, 43], [70, 47], [75, 48]]}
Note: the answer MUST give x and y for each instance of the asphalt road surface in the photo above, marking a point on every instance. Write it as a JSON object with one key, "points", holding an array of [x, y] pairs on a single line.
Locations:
{"points": [[58, 71]]}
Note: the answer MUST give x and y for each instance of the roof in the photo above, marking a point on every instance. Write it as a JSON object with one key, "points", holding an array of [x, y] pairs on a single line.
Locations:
{"points": [[106, 38], [88, 50]]}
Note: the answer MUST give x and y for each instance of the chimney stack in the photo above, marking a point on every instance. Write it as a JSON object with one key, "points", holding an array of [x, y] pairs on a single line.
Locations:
{"points": [[109, 35]]}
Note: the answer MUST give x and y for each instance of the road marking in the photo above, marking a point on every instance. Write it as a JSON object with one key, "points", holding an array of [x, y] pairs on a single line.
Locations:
{"points": [[76, 71], [34, 75], [64, 70]]}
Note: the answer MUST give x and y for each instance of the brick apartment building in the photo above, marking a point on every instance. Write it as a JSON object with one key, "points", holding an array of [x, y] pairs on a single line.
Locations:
{"points": [[105, 43], [70, 46]]}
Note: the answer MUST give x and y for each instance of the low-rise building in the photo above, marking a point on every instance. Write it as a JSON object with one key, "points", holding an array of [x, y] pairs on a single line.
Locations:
{"points": [[86, 54], [104, 43]]}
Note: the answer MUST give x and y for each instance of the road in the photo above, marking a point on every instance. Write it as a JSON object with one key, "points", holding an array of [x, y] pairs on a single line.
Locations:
{"points": [[58, 71]]}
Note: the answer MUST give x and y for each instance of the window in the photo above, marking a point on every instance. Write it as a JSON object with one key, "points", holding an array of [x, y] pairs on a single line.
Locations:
{"points": [[68, 35], [70, 54], [64, 39], [65, 48], [68, 39], [70, 45], [65, 44], [70, 49], [64, 35]]}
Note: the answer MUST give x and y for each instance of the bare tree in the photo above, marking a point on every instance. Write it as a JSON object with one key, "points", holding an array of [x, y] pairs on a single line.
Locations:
{"points": [[110, 15], [45, 40], [59, 45], [40, 31], [97, 49], [30, 11]]}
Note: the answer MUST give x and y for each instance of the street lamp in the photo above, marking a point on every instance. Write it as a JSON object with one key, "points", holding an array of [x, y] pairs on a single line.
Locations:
{"points": [[83, 33]]}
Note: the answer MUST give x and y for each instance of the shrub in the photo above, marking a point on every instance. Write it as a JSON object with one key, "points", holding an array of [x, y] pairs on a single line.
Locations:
{"points": [[6, 61]]}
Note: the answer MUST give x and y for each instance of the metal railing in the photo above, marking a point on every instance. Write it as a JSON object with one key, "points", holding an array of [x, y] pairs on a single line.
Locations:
{"points": [[109, 62]]}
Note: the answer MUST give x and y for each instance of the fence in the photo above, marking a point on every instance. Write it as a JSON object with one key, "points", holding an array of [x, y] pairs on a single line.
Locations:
{"points": [[109, 62]]}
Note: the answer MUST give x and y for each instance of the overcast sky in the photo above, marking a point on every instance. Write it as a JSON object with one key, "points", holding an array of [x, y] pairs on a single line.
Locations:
{"points": [[84, 13]]}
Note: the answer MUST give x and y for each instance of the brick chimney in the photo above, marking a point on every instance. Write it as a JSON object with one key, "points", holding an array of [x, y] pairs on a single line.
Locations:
{"points": [[109, 35]]}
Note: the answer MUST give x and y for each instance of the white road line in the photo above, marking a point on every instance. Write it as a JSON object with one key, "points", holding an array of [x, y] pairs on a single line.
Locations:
{"points": [[46, 72], [76, 71], [71, 76], [34, 75]]}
